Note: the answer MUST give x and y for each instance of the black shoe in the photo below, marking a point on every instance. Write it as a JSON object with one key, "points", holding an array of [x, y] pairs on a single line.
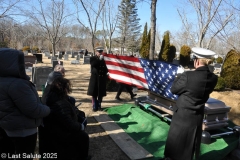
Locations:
{"points": [[100, 109], [118, 98], [94, 110], [132, 96]]}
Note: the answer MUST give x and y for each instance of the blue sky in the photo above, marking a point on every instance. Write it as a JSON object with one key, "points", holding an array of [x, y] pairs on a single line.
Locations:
{"points": [[166, 13]]}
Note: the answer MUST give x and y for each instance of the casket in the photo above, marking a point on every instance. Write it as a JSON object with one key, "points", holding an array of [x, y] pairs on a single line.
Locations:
{"points": [[215, 112]]}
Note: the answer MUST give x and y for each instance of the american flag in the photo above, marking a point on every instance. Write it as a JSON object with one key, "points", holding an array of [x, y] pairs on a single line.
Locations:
{"points": [[156, 76]]}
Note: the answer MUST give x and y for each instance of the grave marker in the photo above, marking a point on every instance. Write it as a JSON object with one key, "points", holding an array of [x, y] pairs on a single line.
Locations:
{"points": [[40, 75], [86, 59]]}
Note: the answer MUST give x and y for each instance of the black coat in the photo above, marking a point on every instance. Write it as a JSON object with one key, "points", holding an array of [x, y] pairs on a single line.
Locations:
{"points": [[193, 88], [62, 133], [98, 79]]}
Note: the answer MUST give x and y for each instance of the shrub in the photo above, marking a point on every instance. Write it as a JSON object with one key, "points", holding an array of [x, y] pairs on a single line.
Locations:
{"points": [[231, 70], [185, 52], [172, 53], [219, 60], [26, 48], [163, 55], [221, 85], [3, 44], [35, 48]]}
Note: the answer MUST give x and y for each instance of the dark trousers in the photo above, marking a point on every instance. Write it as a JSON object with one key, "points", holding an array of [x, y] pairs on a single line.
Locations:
{"points": [[17, 145], [96, 102], [121, 86]]}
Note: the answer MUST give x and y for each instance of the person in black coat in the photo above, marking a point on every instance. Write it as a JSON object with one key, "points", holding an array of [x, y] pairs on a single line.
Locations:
{"points": [[193, 89], [98, 79], [65, 135], [128, 89]]}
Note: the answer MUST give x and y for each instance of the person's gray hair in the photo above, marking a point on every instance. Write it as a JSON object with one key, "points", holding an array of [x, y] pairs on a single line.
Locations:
{"points": [[59, 68]]}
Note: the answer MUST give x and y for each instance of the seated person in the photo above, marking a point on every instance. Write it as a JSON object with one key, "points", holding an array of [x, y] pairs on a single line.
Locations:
{"points": [[65, 135]]}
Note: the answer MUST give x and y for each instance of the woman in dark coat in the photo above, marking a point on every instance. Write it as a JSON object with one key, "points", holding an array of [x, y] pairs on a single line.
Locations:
{"points": [[65, 135], [193, 88], [98, 79]]}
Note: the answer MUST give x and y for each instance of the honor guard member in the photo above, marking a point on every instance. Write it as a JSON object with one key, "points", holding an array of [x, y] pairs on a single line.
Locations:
{"points": [[98, 79], [193, 89]]}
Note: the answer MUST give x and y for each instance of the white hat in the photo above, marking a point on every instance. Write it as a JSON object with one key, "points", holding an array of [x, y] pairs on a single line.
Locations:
{"points": [[202, 53], [99, 49]]}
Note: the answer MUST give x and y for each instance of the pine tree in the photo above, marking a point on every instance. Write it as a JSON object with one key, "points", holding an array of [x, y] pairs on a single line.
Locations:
{"points": [[163, 55], [143, 52], [128, 25], [185, 52]]}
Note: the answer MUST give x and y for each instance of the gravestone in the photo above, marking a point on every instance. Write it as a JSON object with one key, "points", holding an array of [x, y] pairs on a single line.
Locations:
{"points": [[53, 59], [72, 55], [60, 55], [39, 58], [40, 75], [47, 54], [75, 62], [81, 55], [86, 59], [68, 52], [66, 57], [54, 63], [78, 57], [25, 53]]}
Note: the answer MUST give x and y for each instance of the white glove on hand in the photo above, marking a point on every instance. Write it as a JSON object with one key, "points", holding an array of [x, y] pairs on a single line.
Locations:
{"points": [[101, 57], [83, 128], [180, 69]]}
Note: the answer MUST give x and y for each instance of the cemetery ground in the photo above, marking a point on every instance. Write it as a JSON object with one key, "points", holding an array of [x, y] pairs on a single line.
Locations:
{"points": [[101, 146]]}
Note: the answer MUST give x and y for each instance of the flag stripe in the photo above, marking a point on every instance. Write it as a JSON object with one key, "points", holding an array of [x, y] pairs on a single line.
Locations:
{"points": [[126, 69]]}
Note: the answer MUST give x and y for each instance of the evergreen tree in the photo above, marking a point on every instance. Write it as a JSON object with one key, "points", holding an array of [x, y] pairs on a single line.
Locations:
{"points": [[128, 25], [172, 53], [163, 55], [143, 49], [185, 52]]}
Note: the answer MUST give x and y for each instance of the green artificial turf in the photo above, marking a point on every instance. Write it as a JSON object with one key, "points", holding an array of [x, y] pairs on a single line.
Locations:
{"points": [[151, 132]]}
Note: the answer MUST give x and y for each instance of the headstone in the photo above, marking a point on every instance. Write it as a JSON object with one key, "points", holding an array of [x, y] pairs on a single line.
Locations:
{"points": [[54, 63], [81, 55], [68, 52], [47, 54], [53, 59], [39, 58], [40, 75], [62, 52], [86, 59], [25, 53], [65, 56], [78, 57], [72, 55], [60, 55], [75, 62]]}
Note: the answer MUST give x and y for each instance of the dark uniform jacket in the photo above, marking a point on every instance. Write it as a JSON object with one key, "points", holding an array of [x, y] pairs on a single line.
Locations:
{"points": [[98, 79], [193, 88]]}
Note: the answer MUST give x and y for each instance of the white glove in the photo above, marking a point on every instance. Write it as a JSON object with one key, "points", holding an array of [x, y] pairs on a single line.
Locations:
{"points": [[180, 69], [101, 57], [82, 127]]}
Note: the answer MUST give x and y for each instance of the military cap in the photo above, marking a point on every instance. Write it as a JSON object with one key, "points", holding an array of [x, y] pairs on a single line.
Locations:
{"points": [[202, 53], [99, 49]]}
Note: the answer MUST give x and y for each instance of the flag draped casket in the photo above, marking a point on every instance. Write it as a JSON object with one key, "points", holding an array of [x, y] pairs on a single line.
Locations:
{"points": [[157, 77]]}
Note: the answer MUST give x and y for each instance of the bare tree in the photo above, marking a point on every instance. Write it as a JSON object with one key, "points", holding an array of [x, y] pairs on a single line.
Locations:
{"points": [[92, 10], [153, 29], [212, 18], [109, 21], [51, 19]]}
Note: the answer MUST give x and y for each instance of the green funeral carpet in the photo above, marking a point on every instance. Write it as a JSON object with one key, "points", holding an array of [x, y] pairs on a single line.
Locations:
{"points": [[151, 132]]}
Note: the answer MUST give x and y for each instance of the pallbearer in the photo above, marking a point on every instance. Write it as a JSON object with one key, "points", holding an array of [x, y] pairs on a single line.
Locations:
{"points": [[193, 89]]}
